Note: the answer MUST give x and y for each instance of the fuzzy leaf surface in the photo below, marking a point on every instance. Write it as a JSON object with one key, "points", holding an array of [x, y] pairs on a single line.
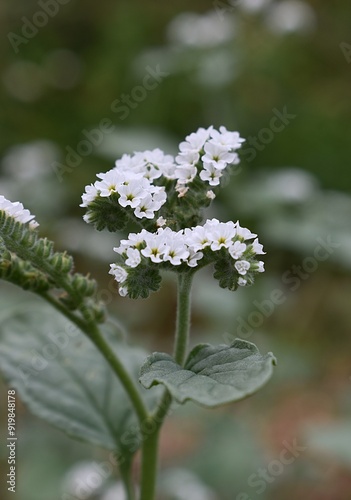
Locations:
{"points": [[212, 375], [62, 378]]}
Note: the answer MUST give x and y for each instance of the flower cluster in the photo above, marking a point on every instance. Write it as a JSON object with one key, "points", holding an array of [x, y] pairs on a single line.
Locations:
{"points": [[18, 212], [166, 196], [145, 181], [216, 149], [132, 179], [192, 247]]}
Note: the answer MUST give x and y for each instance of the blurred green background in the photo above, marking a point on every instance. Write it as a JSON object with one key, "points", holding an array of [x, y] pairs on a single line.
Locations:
{"points": [[280, 73]]}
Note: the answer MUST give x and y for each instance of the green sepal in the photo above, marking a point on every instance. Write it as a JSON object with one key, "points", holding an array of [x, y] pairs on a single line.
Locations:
{"points": [[21, 273]]}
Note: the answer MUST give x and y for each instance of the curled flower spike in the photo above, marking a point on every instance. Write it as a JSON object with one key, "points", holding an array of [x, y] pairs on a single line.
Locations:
{"points": [[18, 212]]}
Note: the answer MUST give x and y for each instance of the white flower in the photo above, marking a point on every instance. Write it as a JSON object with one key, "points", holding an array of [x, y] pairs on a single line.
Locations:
{"points": [[230, 140], [130, 163], [87, 218], [90, 194], [134, 240], [161, 221], [211, 174], [242, 281], [194, 257], [242, 266], [146, 208], [217, 155], [197, 238], [188, 158], [158, 163], [244, 233], [211, 224], [237, 249], [155, 247], [131, 194], [109, 183], [121, 249], [134, 258], [260, 266], [149, 164], [119, 273], [181, 190], [185, 173], [222, 235], [210, 194], [159, 196], [257, 247], [195, 141], [18, 212], [123, 291], [176, 251]]}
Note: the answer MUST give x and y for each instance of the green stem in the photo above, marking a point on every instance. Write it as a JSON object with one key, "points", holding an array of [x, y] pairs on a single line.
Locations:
{"points": [[126, 474], [150, 443], [183, 317], [93, 332], [149, 464]]}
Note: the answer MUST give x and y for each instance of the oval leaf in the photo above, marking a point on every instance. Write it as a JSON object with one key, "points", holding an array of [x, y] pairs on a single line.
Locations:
{"points": [[61, 376], [212, 375]]}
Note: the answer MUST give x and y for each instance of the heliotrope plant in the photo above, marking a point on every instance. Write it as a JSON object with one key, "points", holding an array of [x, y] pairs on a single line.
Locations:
{"points": [[162, 200]]}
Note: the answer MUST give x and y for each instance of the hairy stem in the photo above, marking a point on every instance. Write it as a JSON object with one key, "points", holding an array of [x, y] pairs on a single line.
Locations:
{"points": [[151, 435], [149, 462], [183, 318], [126, 475]]}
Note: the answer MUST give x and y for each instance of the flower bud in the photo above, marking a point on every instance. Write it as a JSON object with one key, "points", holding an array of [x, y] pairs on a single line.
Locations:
{"points": [[62, 262]]}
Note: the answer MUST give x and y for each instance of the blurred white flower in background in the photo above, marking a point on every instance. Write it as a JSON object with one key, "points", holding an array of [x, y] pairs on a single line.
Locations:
{"points": [[28, 176], [115, 492], [83, 481], [200, 30], [290, 184], [181, 484], [291, 16], [253, 6], [27, 161], [218, 68]]}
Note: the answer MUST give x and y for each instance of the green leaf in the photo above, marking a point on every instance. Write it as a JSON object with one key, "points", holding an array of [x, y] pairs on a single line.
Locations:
{"points": [[212, 375], [141, 280], [226, 273], [59, 374], [106, 213]]}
